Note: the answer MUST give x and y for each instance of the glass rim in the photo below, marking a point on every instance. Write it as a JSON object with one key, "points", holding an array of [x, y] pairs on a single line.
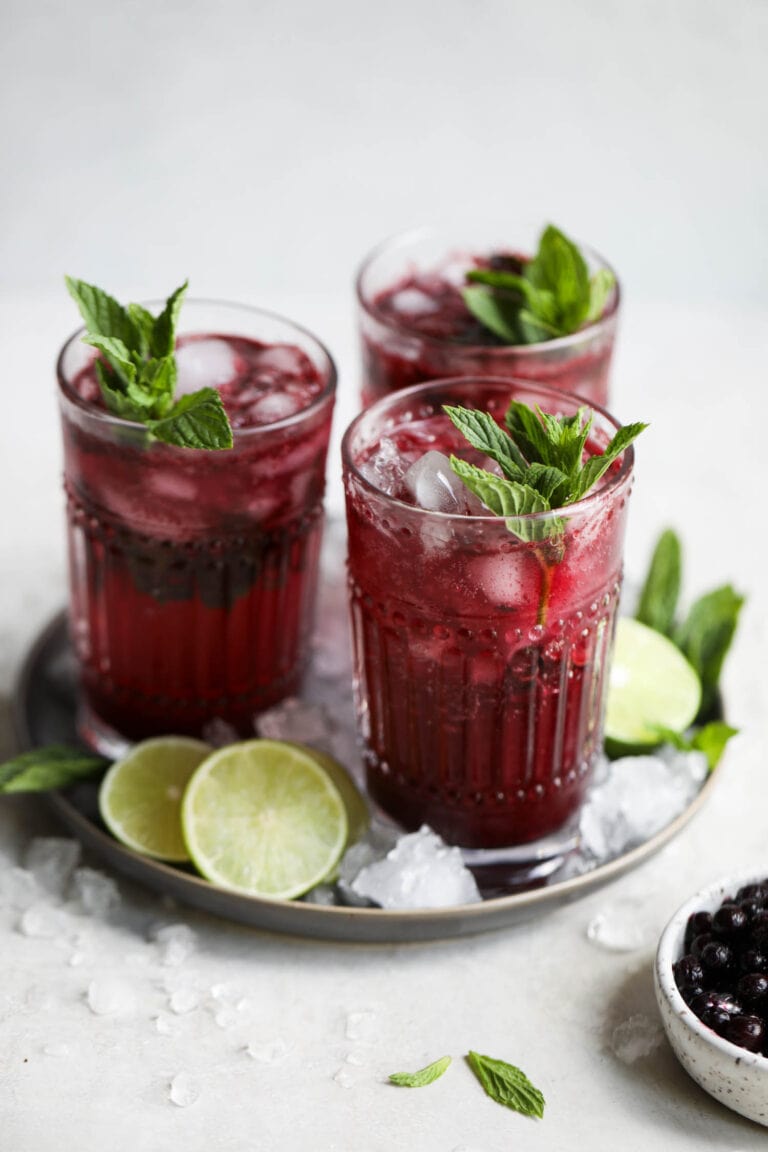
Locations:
{"points": [[591, 498], [110, 419], [403, 239]]}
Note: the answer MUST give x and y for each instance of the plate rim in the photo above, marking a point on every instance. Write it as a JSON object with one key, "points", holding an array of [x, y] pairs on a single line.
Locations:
{"points": [[487, 915]]}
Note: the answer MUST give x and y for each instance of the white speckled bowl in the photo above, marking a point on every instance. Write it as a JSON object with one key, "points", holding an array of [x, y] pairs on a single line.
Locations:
{"points": [[735, 1077]]}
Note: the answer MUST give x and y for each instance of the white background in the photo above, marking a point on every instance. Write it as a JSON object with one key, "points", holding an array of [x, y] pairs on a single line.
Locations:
{"points": [[260, 149]]}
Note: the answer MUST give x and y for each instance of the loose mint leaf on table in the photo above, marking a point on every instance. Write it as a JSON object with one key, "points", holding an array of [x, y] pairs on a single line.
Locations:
{"points": [[423, 1077], [137, 369], [507, 1085], [552, 296], [660, 593], [542, 459], [705, 636], [43, 769]]}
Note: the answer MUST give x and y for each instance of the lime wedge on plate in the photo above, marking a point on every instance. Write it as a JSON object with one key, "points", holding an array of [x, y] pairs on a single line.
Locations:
{"points": [[651, 686], [140, 796], [358, 816], [262, 817]]}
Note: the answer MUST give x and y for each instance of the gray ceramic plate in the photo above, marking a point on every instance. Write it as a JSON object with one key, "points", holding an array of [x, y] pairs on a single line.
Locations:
{"points": [[45, 704]]}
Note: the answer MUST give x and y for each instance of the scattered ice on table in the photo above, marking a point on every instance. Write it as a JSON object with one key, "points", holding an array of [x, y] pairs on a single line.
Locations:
{"points": [[298, 720], [96, 893], [323, 895], [217, 732], [177, 942], [111, 996], [636, 1037], [419, 872], [44, 921], [183, 1090], [163, 1024], [638, 796], [52, 860], [359, 1025], [18, 888], [343, 1078], [435, 486], [386, 468], [183, 1000], [618, 928], [413, 302], [269, 1052], [76, 959], [354, 1059], [204, 363], [56, 1049]]}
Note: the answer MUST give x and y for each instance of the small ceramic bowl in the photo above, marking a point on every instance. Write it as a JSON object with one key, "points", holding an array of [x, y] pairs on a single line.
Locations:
{"points": [[735, 1077]]}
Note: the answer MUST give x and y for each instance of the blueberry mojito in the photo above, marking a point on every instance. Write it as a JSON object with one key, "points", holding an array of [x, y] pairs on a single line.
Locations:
{"points": [[194, 474]]}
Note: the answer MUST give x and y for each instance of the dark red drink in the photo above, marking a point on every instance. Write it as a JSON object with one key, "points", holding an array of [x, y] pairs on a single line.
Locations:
{"points": [[193, 572], [415, 326], [480, 658]]}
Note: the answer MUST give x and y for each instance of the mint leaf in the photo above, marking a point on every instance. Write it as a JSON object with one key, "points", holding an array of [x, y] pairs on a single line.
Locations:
{"points": [[711, 740], [507, 1085], [552, 296], [423, 1077], [195, 421], [43, 769], [661, 590], [483, 433], [137, 369], [508, 498], [705, 636], [596, 467], [530, 433]]}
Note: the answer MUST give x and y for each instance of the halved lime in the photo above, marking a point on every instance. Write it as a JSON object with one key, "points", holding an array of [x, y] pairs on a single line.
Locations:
{"points": [[651, 686], [262, 817], [358, 815], [140, 796]]}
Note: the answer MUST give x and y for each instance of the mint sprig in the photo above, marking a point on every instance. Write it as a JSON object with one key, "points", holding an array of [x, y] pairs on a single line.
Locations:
{"points": [[137, 372], [507, 1085], [43, 769], [706, 633], [553, 295], [541, 458], [423, 1077]]}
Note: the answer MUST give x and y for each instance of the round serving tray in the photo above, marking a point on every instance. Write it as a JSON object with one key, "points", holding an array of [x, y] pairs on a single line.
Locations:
{"points": [[45, 704]]}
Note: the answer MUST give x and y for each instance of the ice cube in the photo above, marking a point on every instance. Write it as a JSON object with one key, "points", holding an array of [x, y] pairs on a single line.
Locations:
{"points": [[96, 893], [274, 406], [111, 996], [635, 1038], [283, 360], [52, 860], [413, 302], [43, 921], [298, 720], [323, 895], [268, 1052], [344, 1078], [377, 842], [419, 872], [434, 486], [18, 888], [177, 943], [218, 732], [639, 796], [619, 928], [507, 578], [386, 468], [183, 1000], [204, 364], [183, 1090]]}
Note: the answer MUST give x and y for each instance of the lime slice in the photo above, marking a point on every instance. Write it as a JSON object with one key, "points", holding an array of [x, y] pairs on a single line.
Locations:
{"points": [[262, 817], [651, 686], [140, 796], [358, 816]]}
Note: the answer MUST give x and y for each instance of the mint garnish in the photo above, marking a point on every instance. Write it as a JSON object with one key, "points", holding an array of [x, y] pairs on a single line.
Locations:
{"points": [[705, 635], [542, 461], [43, 769], [423, 1077], [711, 740], [552, 295], [507, 1085], [137, 369]]}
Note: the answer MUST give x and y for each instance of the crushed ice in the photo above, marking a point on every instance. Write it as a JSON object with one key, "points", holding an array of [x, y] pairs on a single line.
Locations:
{"points": [[51, 860], [635, 1038], [111, 996], [183, 1090], [420, 871], [619, 928], [176, 942]]}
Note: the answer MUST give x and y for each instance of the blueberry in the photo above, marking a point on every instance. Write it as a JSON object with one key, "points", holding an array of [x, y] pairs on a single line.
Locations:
{"points": [[753, 892], [688, 973], [717, 958], [698, 922], [753, 989], [751, 907], [746, 1031], [753, 960], [699, 943], [730, 920]]}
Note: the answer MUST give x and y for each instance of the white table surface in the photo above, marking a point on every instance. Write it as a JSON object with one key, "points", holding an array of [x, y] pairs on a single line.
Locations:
{"points": [[261, 148]]}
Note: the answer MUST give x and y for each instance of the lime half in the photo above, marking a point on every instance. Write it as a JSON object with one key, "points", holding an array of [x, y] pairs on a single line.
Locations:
{"points": [[140, 796], [651, 686], [262, 817]]}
